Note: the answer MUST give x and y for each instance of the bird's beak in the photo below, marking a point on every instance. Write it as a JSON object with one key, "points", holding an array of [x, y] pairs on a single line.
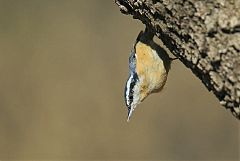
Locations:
{"points": [[130, 111]]}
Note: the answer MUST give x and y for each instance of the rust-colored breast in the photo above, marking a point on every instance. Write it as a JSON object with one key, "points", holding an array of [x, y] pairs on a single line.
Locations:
{"points": [[150, 69]]}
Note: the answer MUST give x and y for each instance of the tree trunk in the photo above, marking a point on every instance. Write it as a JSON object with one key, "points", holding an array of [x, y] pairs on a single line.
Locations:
{"points": [[204, 35]]}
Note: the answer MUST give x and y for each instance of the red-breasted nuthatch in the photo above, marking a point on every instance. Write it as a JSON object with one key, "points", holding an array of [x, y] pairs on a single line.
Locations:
{"points": [[148, 69]]}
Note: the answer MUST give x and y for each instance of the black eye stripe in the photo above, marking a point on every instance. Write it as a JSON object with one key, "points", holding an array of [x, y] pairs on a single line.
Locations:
{"points": [[131, 90]]}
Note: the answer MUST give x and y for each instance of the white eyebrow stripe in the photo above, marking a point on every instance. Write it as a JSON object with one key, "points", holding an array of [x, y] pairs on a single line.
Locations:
{"points": [[128, 88]]}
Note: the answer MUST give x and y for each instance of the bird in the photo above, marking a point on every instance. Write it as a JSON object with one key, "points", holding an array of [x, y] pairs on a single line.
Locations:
{"points": [[149, 65]]}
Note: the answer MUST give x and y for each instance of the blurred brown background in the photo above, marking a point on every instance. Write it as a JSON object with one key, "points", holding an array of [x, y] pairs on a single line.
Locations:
{"points": [[63, 66]]}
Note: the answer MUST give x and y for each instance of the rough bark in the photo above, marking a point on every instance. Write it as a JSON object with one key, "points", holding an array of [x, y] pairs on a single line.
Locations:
{"points": [[204, 35]]}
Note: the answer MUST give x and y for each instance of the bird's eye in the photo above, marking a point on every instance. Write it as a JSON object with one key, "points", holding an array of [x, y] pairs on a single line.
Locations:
{"points": [[133, 58]]}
